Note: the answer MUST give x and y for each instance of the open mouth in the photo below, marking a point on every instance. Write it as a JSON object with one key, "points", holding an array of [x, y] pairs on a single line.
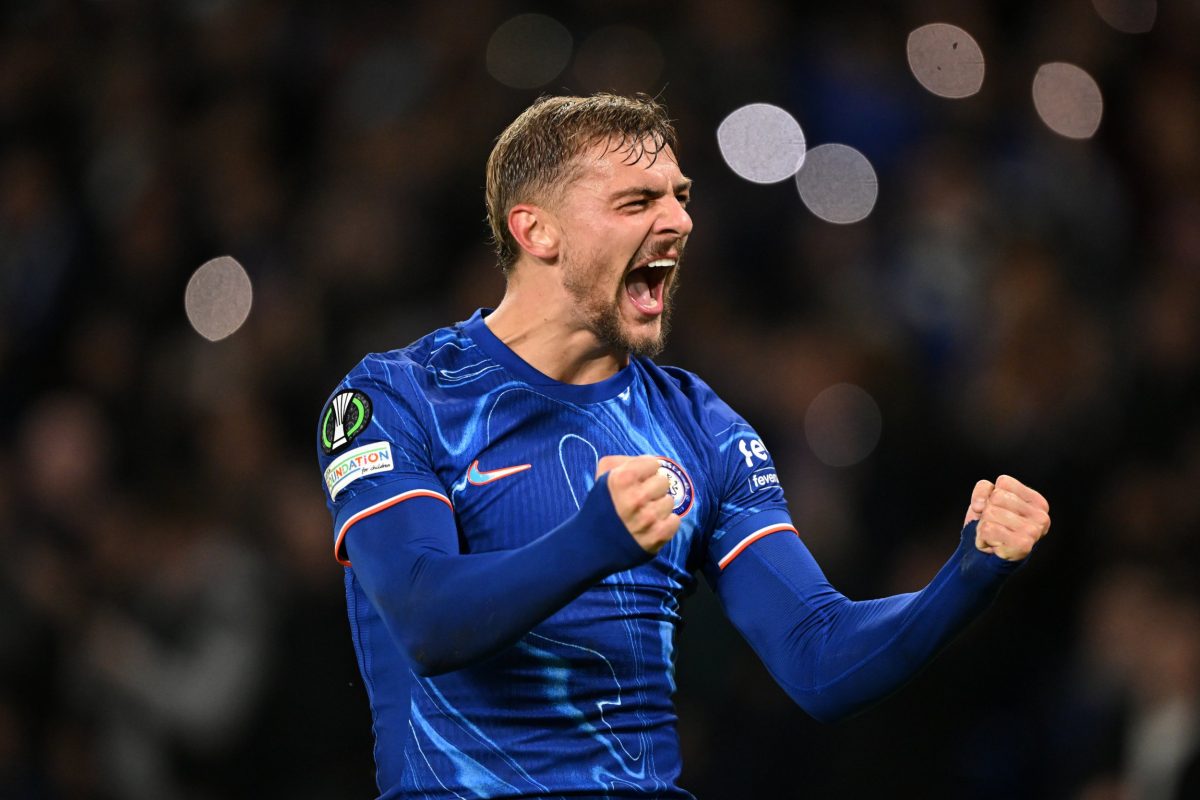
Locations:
{"points": [[645, 285]]}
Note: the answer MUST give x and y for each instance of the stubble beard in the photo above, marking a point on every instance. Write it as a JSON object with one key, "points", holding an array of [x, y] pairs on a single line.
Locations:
{"points": [[603, 315]]}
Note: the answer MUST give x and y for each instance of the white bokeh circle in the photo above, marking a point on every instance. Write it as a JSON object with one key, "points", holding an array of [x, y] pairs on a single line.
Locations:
{"points": [[218, 298], [761, 143]]}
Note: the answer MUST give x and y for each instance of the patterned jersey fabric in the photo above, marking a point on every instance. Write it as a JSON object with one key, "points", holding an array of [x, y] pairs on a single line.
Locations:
{"points": [[581, 705]]}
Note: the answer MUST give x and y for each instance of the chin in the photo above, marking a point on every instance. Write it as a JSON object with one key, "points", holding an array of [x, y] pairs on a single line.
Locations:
{"points": [[645, 339]]}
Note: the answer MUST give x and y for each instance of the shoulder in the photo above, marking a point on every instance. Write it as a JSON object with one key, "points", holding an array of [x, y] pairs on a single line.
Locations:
{"points": [[387, 390], [688, 389], [407, 368]]}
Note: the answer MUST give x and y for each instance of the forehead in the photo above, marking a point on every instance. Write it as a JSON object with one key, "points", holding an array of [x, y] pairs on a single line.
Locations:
{"points": [[601, 167]]}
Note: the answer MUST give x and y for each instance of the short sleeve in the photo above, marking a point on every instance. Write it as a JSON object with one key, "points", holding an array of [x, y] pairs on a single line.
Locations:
{"points": [[751, 502], [373, 446]]}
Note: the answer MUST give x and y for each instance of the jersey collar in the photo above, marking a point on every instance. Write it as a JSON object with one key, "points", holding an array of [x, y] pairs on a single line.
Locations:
{"points": [[487, 341]]}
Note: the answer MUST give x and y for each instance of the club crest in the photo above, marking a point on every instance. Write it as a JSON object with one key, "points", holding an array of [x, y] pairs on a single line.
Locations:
{"points": [[345, 417], [680, 488]]}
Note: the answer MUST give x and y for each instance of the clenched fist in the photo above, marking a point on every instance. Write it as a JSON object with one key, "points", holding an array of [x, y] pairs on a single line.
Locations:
{"points": [[1012, 517], [640, 494]]}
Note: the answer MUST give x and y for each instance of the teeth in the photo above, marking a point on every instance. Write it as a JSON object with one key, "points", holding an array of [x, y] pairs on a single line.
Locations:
{"points": [[662, 262]]}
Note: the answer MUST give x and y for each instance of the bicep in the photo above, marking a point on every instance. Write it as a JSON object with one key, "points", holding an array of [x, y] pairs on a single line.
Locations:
{"points": [[774, 592], [385, 542]]}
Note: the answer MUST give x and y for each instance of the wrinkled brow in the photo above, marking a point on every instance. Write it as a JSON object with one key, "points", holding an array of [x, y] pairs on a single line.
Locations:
{"points": [[651, 191]]}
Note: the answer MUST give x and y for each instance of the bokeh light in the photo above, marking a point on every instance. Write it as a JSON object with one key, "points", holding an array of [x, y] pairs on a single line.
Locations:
{"points": [[761, 143], [1128, 16], [838, 183], [1068, 100], [528, 51], [218, 298], [621, 59], [843, 425], [946, 60]]}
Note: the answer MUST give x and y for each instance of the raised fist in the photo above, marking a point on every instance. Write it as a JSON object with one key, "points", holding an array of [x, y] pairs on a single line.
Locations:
{"points": [[640, 493], [1012, 517]]}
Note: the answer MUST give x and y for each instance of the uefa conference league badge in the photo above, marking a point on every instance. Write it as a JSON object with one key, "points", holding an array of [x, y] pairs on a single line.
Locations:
{"points": [[345, 417]]}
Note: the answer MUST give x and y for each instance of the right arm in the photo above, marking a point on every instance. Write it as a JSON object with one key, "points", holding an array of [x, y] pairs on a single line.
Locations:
{"points": [[447, 610]]}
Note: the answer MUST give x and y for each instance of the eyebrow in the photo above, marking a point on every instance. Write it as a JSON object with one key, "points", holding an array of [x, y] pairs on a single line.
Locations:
{"points": [[647, 191]]}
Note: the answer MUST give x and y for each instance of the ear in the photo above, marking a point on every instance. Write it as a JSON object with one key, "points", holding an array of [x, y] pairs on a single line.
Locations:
{"points": [[535, 230]]}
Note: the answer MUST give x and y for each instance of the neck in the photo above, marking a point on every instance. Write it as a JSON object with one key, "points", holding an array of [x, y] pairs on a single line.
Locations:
{"points": [[541, 324]]}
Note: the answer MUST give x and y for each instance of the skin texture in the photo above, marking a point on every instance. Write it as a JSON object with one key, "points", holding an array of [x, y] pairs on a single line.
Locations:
{"points": [[1012, 517], [567, 313]]}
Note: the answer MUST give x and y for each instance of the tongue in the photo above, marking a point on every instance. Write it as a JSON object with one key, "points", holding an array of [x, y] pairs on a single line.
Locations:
{"points": [[640, 292]]}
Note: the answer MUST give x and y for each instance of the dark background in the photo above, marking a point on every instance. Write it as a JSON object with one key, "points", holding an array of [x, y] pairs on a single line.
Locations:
{"points": [[171, 620]]}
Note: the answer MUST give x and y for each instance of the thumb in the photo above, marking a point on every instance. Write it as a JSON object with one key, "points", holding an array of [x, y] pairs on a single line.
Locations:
{"points": [[608, 463], [982, 491]]}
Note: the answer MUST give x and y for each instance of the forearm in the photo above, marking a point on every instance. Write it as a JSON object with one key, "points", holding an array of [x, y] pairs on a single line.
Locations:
{"points": [[835, 656], [448, 610]]}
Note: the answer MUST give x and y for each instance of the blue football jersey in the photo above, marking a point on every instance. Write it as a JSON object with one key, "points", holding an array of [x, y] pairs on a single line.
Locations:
{"points": [[580, 705]]}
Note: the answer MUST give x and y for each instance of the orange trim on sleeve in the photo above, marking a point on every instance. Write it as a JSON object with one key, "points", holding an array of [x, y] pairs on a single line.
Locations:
{"points": [[375, 509], [751, 539]]}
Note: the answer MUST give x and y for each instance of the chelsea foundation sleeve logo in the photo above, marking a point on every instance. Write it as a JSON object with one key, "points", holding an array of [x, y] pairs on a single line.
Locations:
{"points": [[345, 417]]}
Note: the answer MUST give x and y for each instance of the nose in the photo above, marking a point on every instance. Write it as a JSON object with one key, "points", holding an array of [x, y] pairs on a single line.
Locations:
{"points": [[674, 218]]}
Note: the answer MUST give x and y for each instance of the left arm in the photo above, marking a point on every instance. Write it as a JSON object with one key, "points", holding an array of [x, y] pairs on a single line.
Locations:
{"points": [[835, 656]]}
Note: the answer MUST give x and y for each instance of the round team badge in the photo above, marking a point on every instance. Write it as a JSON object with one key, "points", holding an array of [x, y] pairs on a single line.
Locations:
{"points": [[680, 488], [345, 417]]}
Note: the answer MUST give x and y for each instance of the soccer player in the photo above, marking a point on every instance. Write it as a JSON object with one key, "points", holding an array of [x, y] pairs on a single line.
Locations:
{"points": [[521, 499]]}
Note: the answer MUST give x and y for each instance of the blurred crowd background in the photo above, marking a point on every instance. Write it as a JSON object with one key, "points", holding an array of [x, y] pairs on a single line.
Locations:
{"points": [[171, 618]]}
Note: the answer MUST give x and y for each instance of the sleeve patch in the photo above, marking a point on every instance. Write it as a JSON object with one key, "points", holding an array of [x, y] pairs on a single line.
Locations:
{"points": [[763, 478], [357, 463], [346, 416]]}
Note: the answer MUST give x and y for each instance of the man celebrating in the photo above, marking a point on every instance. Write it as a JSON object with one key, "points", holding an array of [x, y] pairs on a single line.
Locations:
{"points": [[520, 500]]}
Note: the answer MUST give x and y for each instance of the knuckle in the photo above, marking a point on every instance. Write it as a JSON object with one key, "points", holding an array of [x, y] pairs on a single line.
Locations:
{"points": [[651, 495]]}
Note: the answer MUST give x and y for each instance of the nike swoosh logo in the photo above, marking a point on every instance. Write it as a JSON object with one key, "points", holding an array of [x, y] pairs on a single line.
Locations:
{"points": [[478, 477]]}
